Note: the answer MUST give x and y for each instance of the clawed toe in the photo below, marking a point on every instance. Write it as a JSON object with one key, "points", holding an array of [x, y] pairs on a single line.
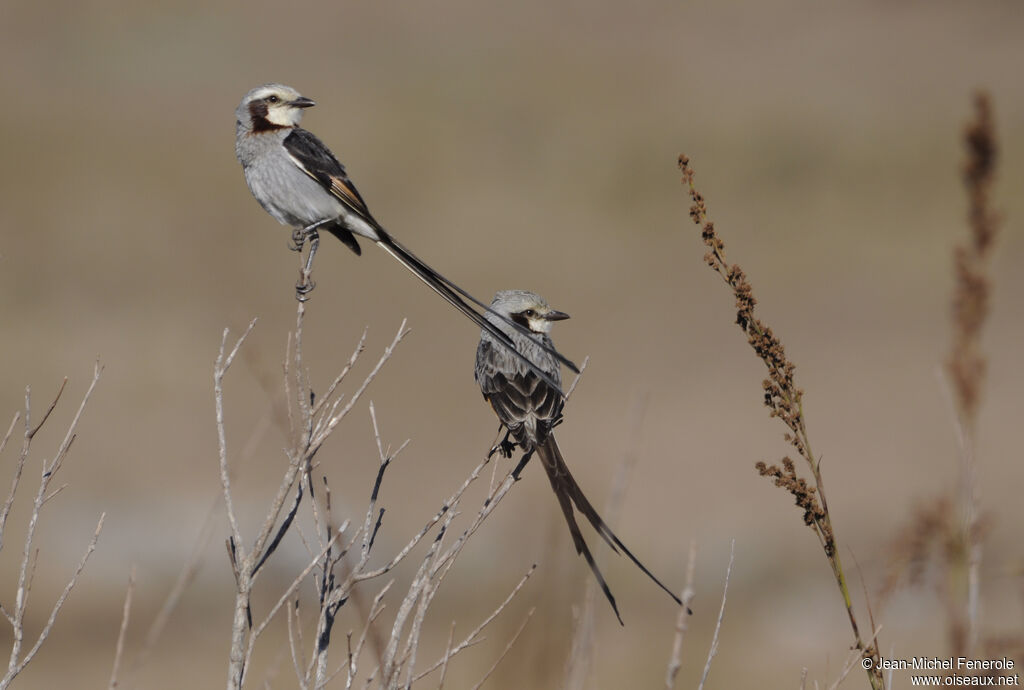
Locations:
{"points": [[506, 448], [302, 290], [298, 240]]}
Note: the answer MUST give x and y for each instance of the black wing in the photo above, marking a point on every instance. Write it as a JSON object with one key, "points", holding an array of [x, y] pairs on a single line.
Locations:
{"points": [[317, 161]]}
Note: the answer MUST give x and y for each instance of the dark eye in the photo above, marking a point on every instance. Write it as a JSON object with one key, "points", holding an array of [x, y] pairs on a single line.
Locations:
{"points": [[529, 313], [273, 99]]}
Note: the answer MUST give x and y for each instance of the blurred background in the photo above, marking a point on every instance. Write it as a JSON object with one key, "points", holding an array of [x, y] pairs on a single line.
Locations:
{"points": [[512, 145]]}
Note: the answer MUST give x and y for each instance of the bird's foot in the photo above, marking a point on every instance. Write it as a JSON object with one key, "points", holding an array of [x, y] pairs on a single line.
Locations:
{"points": [[298, 240], [522, 464], [303, 288], [505, 447]]}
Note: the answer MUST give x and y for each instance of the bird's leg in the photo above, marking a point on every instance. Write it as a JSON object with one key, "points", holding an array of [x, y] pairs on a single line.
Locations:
{"points": [[506, 446], [299, 237], [522, 464], [306, 284]]}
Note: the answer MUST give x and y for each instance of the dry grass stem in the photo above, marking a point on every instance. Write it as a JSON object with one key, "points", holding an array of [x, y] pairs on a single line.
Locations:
{"points": [[721, 615], [948, 531], [508, 648], [675, 661], [785, 402], [967, 365], [126, 612], [474, 636], [577, 667], [447, 656]]}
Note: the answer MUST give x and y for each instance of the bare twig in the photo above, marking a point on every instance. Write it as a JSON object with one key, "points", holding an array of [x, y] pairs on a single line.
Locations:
{"points": [[682, 620], [16, 666], [125, 616], [258, 630], [508, 647], [848, 664], [721, 614], [577, 667], [30, 552], [447, 656], [219, 370], [186, 575], [474, 636]]}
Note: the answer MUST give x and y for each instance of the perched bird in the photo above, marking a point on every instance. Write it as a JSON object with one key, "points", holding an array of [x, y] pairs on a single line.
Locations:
{"points": [[530, 407], [298, 181]]}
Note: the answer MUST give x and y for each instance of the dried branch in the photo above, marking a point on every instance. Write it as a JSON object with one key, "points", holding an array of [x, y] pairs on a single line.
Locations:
{"points": [[682, 620], [219, 370], [721, 614], [125, 616], [577, 667], [474, 636], [48, 472], [785, 400], [17, 666], [508, 648]]}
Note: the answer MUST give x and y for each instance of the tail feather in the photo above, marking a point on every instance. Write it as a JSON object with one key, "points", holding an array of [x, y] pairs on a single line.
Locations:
{"points": [[565, 501], [525, 331], [346, 236], [567, 490], [439, 284]]}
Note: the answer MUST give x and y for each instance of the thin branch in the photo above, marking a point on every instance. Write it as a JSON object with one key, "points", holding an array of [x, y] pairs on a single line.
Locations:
{"points": [[322, 433], [69, 437], [186, 575], [10, 430], [219, 370], [49, 471], [447, 656], [682, 620], [508, 647], [577, 667], [125, 617], [360, 348], [721, 614], [45, 633], [473, 637], [258, 630], [295, 640], [375, 610]]}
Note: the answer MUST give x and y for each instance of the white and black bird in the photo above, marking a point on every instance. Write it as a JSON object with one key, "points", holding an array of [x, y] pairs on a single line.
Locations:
{"points": [[298, 181], [529, 408]]}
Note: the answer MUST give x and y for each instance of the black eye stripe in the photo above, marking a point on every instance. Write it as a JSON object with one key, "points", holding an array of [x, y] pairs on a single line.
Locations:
{"points": [[520, 318]]}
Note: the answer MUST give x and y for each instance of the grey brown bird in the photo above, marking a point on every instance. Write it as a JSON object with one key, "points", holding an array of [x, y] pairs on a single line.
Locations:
{"points": [[529, 408], [299, 182]]}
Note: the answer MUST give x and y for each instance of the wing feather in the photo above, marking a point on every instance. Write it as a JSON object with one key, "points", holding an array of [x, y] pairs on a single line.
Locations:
{"points": [[316, 160]]}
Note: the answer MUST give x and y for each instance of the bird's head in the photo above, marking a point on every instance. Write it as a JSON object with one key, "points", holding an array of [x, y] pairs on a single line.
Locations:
{"points": [[271, 106], [527, 309]]}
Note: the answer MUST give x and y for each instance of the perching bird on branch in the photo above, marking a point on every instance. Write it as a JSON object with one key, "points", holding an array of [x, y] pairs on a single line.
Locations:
{"points": [[298, 181], [530, 407]]}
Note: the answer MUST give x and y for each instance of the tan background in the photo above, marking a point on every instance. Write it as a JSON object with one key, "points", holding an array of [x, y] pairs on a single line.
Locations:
{"points": [[528, 145]]}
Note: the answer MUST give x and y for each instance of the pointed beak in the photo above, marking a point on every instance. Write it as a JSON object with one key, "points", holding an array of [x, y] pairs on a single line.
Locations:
{"points": [[555, 315], [302, 102]]}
